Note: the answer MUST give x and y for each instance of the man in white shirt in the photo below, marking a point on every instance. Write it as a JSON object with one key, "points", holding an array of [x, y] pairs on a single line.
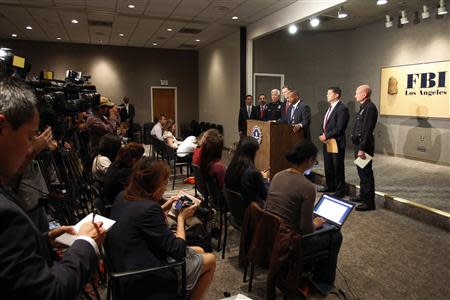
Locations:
{"points": [[157, 128]]}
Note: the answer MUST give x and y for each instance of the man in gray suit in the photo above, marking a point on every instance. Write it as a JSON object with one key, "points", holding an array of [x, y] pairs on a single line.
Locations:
{"points": [[298, 114]]}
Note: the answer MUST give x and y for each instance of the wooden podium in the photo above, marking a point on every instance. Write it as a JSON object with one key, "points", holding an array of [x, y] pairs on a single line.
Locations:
{"points": [[276, 139]]}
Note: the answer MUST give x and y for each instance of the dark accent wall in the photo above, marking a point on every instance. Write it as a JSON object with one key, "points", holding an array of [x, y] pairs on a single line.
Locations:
{"points": [[314, 61], [120, 71]]}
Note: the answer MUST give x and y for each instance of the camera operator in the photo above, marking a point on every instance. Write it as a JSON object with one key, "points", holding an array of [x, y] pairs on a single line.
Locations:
{"points": [[25, 269], [102, 121]]}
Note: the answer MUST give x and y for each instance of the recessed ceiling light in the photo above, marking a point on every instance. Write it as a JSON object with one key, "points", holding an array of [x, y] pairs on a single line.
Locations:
{"points": [[155, 44], [293, 29], [235, 17], [131, 6], [121, 34], [381, 2], [197, 40], [58, 38], [14, 35], [314, 22], [29, 27], [169, 29], [75, 21]]}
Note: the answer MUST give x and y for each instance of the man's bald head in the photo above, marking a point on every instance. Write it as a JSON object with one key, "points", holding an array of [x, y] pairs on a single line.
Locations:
{"points": [[363, 92]]}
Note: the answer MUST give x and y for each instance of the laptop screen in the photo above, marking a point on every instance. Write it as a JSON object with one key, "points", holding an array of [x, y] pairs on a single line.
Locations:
{"points": [[334, 210]]}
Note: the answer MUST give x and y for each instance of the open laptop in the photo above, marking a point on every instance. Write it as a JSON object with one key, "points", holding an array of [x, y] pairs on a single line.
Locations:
{"points": [[335, 211]]}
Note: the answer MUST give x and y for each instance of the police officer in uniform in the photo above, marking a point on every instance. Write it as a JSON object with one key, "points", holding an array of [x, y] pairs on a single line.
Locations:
{"points": [[275, 107], [364, 142]]}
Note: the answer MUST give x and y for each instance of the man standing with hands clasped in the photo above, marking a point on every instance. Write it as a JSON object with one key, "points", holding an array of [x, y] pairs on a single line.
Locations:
{"points": [[364, 142], [333, 126]]}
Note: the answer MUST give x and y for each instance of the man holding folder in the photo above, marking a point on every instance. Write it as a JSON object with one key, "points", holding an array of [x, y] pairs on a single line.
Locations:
{"points": [[333, 129]]}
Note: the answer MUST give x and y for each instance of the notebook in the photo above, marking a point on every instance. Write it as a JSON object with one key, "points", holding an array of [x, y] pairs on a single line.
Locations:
{"points": [[334, 211]]}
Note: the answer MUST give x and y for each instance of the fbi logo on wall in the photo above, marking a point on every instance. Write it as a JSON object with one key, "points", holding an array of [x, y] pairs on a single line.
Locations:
{"points": [[257, 134], [420, 90]]}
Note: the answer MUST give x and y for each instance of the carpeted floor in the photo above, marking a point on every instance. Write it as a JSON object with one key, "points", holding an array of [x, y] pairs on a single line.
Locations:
{"points": [[384, 255]]}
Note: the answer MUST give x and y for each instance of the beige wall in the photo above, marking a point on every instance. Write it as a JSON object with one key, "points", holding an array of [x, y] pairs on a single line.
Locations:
{"points": [[219, 85], [120, 71], [314, 61]]}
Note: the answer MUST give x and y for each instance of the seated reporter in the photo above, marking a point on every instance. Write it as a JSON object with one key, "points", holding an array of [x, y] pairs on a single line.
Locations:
{"points": [[291, 196], [211, 165], [120, 170], [168, 134], [26, 267], [141, 238], [243, 177], [107, 152]]}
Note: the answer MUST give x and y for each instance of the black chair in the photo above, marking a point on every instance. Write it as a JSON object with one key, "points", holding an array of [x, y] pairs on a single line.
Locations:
{"points": [[236, 206], [158, 147], [200, 185], [175, 290], [216, 200], [178, 162]]}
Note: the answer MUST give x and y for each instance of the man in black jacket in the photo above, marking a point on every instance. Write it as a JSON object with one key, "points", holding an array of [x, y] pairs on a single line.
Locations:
{"points": [[127, 114], [364, 142], [26, 270], [333, 126], [298, 114], [247, 112]]}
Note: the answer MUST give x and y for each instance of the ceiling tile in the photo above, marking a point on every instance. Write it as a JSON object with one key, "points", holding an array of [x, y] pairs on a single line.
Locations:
{"points": [[161, 8], [190, 8], [71, 3], [109, 5], [140, 5], [50, 23], [144, 31]]}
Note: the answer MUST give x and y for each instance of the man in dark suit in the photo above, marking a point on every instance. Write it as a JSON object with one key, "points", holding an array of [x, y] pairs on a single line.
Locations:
{"points": [[364, 141], [26, 270], [262, 108], [298, 114], [333, 126], [275, 108], [127, 114], [284, 91], [247, 112]]}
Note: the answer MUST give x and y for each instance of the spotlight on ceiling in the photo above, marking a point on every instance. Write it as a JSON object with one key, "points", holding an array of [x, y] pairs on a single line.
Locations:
{"points": [[381, 2], [442, 10], [388, 21], [58, 38], [74, 21], [293, 29], [425, 13], [131, 6], [314, 22], [235, 18], [14, 35], [197, 40], [342, 13], [169, 29], [404, 19], [155, 44], [29, 27], [121, 34]]}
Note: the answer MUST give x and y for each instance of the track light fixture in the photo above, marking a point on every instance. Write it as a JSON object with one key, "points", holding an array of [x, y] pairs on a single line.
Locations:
{"points": [[314, 22], [293, 29], [442, 10], [404, 19], [388, 21], [342, 13], [425, 13]]}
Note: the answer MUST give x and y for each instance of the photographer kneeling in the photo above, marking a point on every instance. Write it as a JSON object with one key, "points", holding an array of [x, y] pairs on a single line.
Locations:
{"points": [[26, 271], [141, 239]]}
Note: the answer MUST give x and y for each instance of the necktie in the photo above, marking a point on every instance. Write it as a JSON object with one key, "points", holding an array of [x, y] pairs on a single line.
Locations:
{"points": [[325, 120], [261, 112], [292, 114], [249, 111], [286, 107]]}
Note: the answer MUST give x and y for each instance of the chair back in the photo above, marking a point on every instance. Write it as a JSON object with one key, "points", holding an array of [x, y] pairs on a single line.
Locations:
{"points": [[199, 182], [215, 193], [236, 205], [260, 229]]}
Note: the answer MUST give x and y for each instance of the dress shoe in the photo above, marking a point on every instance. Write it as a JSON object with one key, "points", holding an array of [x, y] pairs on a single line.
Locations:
{"points": [[324, 189], [356, 199], [364, 207], [338, 194]]}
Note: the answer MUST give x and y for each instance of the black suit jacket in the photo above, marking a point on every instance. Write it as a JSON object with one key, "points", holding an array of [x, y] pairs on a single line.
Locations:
{"points": [[265, 115], [337, 124], [243, 117], [366, 120], [302, 115], [25, 272], [141, 239], [123, 112], [275, 110]]}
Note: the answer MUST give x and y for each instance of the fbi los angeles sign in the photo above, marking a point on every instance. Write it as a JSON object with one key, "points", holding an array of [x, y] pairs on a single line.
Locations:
{"points": [[420, 90]]}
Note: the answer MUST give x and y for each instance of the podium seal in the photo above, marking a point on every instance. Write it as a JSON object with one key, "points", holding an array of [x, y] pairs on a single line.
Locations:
{"points": [[257, 134]]}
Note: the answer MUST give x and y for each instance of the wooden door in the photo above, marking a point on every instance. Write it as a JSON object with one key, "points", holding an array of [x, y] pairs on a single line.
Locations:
{"points": [[163, 102]]}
